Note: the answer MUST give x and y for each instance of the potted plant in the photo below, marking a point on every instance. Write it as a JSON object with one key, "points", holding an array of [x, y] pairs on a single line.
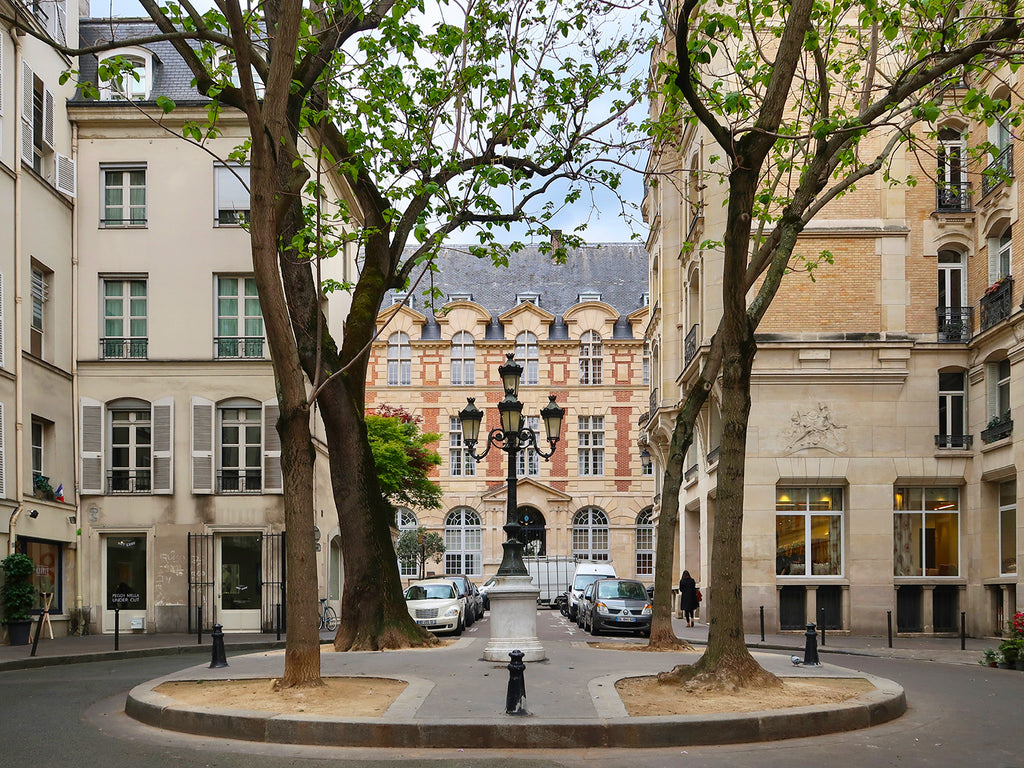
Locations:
{"points": [[17, 596], [43, 489], [989, 657], [1009, 650]]}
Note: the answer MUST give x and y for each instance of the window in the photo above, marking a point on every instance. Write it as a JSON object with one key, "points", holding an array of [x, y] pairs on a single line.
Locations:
{"points": [[646, 375], [125, 76], [462, 541], [459, 297], [125, 323], [52, 16], [126, 570], [953, 189], [226, 66], [48, 573], [590, 358], [528, 298], [406, 520], [926, 531], [590, 534], [999, 392], [588, 296], [241, 450], [1008, 528], [463, 359], [527, 459], [231, 191], [37, 123], [124, 196], [1000, 250], [952, 411], [528, 356], [239, 319], [131, 451], [460, 462], [644, 543], [809, 531], [402, 298], [38, 448], [590, 434], [399, 360], [41, 278]]}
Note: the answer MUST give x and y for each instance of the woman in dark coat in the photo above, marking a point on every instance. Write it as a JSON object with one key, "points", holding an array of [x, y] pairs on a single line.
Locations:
{"points": [[688, 597]]}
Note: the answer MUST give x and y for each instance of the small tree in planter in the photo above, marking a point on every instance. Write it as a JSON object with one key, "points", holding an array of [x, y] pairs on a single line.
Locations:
{"points": [[17, 595]]}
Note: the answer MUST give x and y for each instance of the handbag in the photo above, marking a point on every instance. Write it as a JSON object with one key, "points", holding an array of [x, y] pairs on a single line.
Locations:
{"points": [[700, 597]]}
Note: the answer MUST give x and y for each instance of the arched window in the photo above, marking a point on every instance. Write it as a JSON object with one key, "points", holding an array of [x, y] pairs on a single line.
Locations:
{"points": [[125, 75], [406, 520], [590, 358], [462, 542], [528, 357], [225, 65], [953, 189], [953, 410], [463, 359], [590, 534], [644, 543], [399, 360]]}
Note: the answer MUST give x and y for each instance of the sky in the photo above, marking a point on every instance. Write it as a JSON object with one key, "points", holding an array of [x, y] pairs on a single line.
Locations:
{"points": [[600, 214]]}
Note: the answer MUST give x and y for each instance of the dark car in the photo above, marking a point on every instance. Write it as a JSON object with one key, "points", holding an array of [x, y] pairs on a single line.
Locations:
{"points": [[469, 590], [583, 605], [618, 604]]}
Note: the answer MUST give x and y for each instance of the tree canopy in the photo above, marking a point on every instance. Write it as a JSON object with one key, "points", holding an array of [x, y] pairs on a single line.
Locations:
{"points": [[403, 457]]}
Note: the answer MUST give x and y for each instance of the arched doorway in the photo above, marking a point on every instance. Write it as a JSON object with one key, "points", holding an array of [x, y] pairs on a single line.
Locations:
{"points": [[533, 531]]}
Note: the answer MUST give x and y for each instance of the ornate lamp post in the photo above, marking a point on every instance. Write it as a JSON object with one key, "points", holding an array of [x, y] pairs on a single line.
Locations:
{"points": [[513, 598]]}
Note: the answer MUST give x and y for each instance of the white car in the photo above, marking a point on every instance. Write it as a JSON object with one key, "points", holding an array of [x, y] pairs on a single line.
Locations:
{"points": [[435, 605]]}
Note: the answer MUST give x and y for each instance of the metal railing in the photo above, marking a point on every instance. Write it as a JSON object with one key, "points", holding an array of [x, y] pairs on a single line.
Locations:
{"points": [[653, 405], [953, 197], [997, 171], [997, 430], [112, 348], [955, 324], [997, 304], [238, 348], [240, 481], [128, 481], [962, 442], [690, 345]]}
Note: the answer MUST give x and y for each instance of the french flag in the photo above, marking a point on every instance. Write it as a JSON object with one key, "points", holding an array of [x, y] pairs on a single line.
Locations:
{"points": [[59, 493]]}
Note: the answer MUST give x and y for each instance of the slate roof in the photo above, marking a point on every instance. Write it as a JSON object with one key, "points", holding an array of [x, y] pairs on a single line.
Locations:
{"points": [[617, 271]]}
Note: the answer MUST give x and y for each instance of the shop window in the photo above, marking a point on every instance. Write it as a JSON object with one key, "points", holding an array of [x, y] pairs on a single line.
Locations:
{"points": [[809, 531], [48, 574], [1008, 528], [926, 531]]}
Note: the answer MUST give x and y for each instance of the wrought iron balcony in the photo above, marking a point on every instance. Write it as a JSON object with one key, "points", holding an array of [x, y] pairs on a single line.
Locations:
{"points": [[998, 171], [997, 429], [238, 348], [690, 345], [953, 197], [113, 348], [128, 481], [996, 304], [653, 405], [955, 324], [240, 481], [961, 442]]}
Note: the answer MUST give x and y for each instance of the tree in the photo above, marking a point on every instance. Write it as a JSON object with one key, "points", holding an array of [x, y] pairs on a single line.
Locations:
{"points": [[402, 457], [809, 105], [418, 546]]}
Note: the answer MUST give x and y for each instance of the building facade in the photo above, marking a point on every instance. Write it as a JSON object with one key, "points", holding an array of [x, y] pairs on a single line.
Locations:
{"points": [[577, 330], [881, 459]]}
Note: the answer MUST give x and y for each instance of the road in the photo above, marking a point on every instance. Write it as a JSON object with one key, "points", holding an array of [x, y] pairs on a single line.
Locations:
{"points": [[71, 716]]}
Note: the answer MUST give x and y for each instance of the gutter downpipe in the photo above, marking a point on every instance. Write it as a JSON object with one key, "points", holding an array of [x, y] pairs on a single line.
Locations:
{"points": [[19, 425], [76, 427]]}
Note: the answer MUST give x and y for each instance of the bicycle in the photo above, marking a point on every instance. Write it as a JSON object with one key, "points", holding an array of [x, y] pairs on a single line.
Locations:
{"points": [[328, 618]]}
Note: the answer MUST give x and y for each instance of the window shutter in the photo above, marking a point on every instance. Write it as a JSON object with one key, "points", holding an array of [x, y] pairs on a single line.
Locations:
{"points": [[273, 481], [48, 118], [993, 259], [60, 32], [992, 390], [66, 175], [202, 445], [92, 446], [3, 456], [163, 445], [1, 79], [3, 324], [27, 92]]}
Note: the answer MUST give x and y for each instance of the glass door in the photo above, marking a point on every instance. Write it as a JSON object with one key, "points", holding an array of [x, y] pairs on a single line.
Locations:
{"points": [[240, 582]]}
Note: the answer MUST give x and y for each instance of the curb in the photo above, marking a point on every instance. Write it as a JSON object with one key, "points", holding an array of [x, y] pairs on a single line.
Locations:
{"points": [[885, 703], [33, 662]]}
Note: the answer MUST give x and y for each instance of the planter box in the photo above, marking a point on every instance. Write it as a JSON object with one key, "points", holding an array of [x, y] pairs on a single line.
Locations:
{"points": [[18, 631]]}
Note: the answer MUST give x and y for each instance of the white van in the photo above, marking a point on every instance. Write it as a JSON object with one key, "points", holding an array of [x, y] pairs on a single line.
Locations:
{"points": [[586, 573]]}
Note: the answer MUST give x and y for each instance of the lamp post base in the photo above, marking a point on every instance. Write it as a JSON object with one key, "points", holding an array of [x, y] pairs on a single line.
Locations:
{"points": [[514, 620]]}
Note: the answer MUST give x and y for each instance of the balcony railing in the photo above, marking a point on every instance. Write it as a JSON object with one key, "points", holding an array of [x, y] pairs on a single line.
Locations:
{"points": [[691, 472], [996, 304], [953, 197], [955, 324], [998, 171], [653, 405], [713, 454], [240, 481], [690, 345], [129, 481], [997, 429], [238, 348], [124, 349], [963, 442]]}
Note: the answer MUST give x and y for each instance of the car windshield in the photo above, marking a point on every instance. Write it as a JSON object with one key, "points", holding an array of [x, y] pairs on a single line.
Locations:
{"points": [[583, 579], [430, 592], [621, 590]]}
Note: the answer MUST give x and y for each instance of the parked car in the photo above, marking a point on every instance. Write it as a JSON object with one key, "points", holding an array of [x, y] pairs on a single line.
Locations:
{"points": [[436, 605], [485, 589], [468, 590], [617, 604], [586, 573], [581, 605]]}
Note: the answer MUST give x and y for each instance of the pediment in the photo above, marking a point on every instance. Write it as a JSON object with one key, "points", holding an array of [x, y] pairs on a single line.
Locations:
{"points": [[527, 308], [401, 310], [528, 490]]}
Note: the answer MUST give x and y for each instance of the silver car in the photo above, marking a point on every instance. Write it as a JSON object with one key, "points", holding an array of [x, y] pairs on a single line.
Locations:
{"points": [[619, 604]]}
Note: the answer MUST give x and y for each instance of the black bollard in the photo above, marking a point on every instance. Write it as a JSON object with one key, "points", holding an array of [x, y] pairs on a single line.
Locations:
{"points": [[811, 647], [199, 625], [821, 620], [762, 623], [888, 621], [515, 697], [218, 658], [963, 631], [277, 619], [117, 628]]}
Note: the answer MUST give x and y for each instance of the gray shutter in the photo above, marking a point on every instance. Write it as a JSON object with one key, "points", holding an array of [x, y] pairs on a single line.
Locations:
{"points": [[163, 445], [92, 446], [3, 456], [273, 481], [27, 92], [66, 175], [202, 445], [993, 259], [3, 324], [48, 119], [60, 33]]}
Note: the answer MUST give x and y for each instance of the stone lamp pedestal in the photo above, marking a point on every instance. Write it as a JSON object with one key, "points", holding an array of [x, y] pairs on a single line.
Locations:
{"points": [[514, 620]]}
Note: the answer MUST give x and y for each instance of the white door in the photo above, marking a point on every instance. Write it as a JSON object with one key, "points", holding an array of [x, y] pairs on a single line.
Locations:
{"points": [[239, 585]]}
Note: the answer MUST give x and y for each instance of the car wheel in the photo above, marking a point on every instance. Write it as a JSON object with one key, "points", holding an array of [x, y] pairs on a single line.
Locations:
{"points": [[459, 626], [470, 616], [645, 633], [595, 630]]}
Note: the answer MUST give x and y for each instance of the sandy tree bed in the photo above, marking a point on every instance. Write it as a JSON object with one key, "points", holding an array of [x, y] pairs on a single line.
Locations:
{"points": [[371, 696]]}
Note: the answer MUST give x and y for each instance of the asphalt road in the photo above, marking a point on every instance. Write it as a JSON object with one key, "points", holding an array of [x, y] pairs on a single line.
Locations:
{"points": [[71, 716]]}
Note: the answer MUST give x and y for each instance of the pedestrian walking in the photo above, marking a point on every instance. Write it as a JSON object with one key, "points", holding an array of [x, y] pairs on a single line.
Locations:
{"points": [[688, 597]]}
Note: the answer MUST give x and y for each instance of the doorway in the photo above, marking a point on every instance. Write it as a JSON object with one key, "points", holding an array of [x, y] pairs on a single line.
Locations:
{"points": [[240, 582]]}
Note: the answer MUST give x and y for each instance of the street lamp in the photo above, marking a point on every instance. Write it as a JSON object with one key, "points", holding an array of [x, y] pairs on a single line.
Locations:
{"points": [[514, 597], [511, 437]]}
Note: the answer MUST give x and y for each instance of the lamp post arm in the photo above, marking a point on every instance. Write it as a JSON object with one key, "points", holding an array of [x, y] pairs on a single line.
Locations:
{"points": [[528, 439], [495, 437]]}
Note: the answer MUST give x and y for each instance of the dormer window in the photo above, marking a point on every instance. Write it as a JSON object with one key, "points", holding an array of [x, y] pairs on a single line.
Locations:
{"points": [[126, 74], [225, 65], [459, 297], [591, 296], [398, 298], [531, 298]]}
